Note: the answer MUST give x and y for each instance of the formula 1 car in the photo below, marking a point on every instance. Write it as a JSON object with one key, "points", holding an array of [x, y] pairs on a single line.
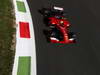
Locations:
{"points": [[55, 19]]}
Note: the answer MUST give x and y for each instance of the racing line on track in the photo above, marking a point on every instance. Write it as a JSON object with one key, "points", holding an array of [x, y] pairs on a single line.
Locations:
{"points": [[25, 56]]}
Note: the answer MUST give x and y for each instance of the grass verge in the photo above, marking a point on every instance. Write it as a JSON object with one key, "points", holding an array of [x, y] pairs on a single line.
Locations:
{"points": [[7, 37]]}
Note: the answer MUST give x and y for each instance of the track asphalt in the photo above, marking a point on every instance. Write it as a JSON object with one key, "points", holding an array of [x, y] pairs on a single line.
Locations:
{"points": [[82, 58]]}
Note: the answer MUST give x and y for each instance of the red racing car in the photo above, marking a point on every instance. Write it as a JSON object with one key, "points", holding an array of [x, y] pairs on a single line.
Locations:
{"points": [[58, 25]]}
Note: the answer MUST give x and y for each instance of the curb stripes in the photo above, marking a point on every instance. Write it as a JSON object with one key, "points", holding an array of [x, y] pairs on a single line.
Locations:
{"points": [[25, 57], [21, 6], [24, 66], [24, 30]]}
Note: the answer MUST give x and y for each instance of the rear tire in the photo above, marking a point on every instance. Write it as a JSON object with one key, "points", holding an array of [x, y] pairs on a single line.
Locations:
{"points": [[72, 35]]}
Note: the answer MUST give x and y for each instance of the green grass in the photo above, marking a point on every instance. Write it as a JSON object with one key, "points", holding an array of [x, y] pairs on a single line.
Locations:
{"points": [[7, 31]]}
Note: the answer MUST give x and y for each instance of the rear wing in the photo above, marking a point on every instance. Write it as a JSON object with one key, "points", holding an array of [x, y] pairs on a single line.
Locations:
{"points": [[58, 8]]}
